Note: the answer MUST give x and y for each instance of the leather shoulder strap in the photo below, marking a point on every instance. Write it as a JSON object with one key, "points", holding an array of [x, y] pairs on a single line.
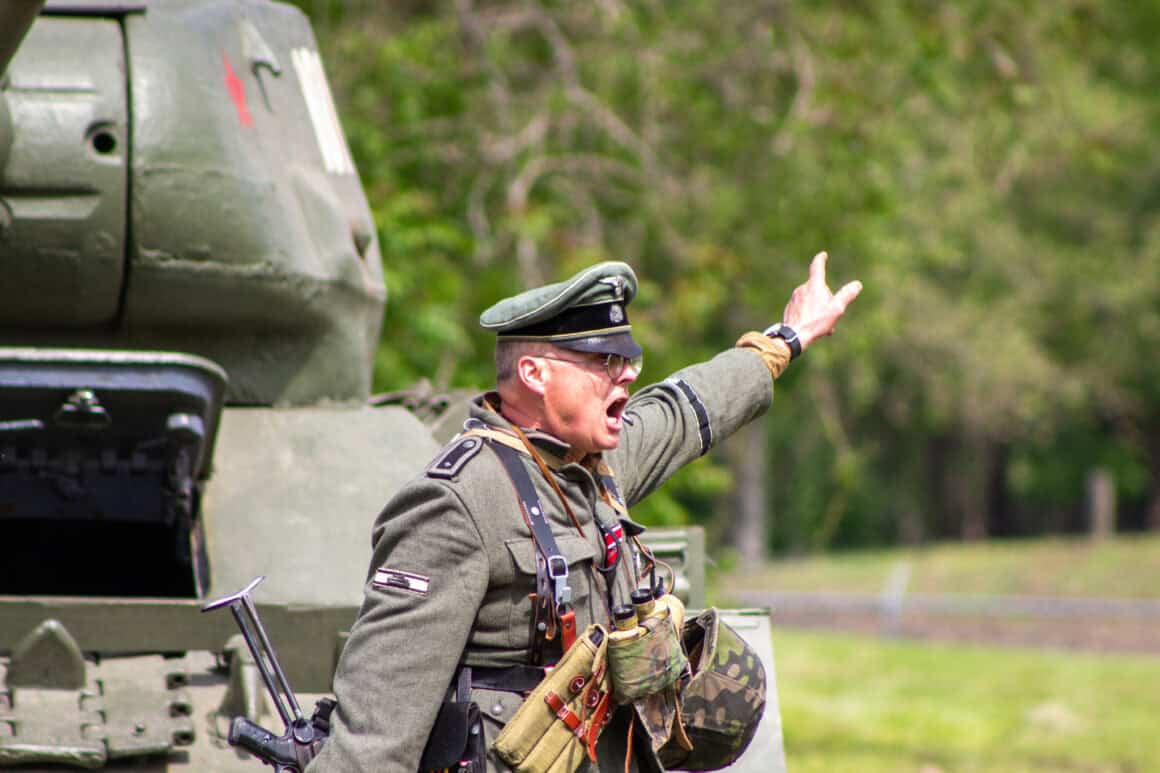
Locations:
{"points": [[553, 594]]}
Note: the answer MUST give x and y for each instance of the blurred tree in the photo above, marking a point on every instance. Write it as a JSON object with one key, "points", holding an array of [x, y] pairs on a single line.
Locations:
{"points": [[986, 169]]}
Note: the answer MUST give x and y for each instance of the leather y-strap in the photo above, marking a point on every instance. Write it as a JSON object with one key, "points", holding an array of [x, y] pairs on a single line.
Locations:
{"points": [[551, 566], [477, 427], [548, 476], [616, 502]]}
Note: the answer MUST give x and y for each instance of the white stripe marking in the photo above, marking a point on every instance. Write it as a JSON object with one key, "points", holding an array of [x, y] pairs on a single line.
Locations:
{"points": [[323, 116], [393, 578]]}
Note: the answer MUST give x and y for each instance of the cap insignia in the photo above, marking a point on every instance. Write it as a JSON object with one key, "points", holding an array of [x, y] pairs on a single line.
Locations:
{"points": [[616, 283], [615, 314]]}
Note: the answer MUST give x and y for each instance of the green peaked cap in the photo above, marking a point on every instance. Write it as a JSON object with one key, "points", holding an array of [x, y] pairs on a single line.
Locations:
{"points": [[586, 313]]}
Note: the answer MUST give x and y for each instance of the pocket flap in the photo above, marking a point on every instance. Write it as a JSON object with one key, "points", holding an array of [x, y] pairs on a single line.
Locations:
{"points": [[573, 547]]}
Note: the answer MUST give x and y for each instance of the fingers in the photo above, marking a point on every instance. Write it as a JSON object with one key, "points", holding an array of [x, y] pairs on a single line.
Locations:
{"points": [[847, 294], [818, 268], [812, 310]]}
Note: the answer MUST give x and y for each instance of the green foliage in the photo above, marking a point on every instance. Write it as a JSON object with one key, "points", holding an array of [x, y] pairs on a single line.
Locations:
{"points": [[988, 170]]}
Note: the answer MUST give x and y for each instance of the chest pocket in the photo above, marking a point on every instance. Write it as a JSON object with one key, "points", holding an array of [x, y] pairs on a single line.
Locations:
{"points": [[579, 553]]}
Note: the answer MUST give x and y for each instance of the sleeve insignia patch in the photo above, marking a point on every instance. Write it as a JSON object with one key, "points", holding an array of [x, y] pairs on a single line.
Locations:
{"points": [[704, 424], [454, 459], [393, 579]]}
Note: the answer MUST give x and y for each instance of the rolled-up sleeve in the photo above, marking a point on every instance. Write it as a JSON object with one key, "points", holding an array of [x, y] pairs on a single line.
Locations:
{"points": [[427, 579], [671, 423]]}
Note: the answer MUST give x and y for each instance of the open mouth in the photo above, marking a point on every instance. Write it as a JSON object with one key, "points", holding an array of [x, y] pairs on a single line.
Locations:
{"points": [[615, 411]]}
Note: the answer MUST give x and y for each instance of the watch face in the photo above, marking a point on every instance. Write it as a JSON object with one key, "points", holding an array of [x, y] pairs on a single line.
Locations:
{"points": [[781, 331], [785, 333]]}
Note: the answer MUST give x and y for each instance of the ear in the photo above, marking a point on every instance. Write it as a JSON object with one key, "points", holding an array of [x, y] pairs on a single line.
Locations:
{"points": [[532, 374]]}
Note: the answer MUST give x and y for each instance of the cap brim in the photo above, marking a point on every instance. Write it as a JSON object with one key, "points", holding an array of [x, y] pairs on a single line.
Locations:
{"points": [[617, 343]]}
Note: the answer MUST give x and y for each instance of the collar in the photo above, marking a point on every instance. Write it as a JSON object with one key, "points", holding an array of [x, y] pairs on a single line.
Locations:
{"points": [[487, 408], [485, 418]]}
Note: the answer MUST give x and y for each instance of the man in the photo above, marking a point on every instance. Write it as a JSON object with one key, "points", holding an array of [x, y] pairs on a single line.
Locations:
{"points": [[459, 575]]}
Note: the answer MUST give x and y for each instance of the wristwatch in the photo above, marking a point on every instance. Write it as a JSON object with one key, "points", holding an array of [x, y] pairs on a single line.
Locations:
{"points": [[787, 334]]}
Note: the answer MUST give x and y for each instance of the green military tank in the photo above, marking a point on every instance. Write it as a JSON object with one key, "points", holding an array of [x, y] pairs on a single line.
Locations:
{"points": [[191, 295], [190, 291]]}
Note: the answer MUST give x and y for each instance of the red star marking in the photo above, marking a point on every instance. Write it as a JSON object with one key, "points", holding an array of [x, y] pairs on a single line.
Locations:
{"points": [[237, 91]]}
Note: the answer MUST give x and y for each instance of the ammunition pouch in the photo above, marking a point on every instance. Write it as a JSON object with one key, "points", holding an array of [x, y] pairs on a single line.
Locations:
{"points": [[649, 669], [456, 741], [559, 722]]}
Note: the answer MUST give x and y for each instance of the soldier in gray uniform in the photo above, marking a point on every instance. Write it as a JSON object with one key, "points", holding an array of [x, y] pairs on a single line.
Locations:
{"points": [[457, 578]]}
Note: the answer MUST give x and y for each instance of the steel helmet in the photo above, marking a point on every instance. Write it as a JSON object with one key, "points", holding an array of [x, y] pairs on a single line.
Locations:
{"points": [[723, 703]]}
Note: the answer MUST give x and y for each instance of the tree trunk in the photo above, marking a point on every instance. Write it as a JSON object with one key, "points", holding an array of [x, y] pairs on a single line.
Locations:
{"points": [[910, 526], [1002, 522], [968, 487], [1153, 514], [1101, 503], [748, 451], [1154, 509], [939, 504]]}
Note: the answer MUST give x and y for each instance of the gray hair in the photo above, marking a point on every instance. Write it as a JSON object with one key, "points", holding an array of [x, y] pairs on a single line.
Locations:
{"points": [[508, 354]]}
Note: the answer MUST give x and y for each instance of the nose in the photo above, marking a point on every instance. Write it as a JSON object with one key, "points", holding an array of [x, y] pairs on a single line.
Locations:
{"points": [[629, 374]]}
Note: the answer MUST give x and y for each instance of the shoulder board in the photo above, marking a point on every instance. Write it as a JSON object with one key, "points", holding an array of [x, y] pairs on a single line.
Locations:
{"points": [[449, 464]]}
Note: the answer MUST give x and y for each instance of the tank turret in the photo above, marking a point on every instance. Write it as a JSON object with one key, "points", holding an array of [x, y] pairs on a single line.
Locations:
{"points": [[176, 178]]}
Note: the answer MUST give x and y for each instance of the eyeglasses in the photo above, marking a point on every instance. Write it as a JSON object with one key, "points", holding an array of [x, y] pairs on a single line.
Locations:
{"points": [[614, 364]]}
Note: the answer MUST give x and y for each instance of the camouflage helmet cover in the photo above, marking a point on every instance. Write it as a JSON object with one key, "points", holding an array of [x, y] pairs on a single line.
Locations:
{"points": [[722, 705]]}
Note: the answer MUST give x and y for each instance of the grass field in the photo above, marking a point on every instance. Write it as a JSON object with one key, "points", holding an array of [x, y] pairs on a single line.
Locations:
{"points": [[857, 703], [1127, 566], [852, 703]]}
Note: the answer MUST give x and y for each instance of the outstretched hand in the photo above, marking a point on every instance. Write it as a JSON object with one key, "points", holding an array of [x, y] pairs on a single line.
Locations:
{"points": [[813, 311]]}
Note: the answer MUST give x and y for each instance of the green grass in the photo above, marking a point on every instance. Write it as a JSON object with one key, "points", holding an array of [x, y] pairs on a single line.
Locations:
{"points": [[851, 703], [1120, 567]]}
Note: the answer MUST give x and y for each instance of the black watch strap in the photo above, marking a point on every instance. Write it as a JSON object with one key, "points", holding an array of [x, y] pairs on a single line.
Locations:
{"points": [[787, 334]]}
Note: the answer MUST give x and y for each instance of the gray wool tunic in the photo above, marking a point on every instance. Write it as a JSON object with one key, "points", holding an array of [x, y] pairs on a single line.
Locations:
{"points": [[463, 565]]}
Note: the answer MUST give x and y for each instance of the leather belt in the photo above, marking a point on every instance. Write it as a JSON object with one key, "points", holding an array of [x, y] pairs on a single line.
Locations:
{"points": [[510, 679]]}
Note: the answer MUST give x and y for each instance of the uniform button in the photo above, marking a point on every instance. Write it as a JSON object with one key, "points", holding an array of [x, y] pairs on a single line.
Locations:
{"points": [[497, 709]]}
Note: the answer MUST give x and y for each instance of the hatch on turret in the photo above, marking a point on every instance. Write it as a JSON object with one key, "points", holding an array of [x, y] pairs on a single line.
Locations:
{"points": [[63, 190], [102, 459]]}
